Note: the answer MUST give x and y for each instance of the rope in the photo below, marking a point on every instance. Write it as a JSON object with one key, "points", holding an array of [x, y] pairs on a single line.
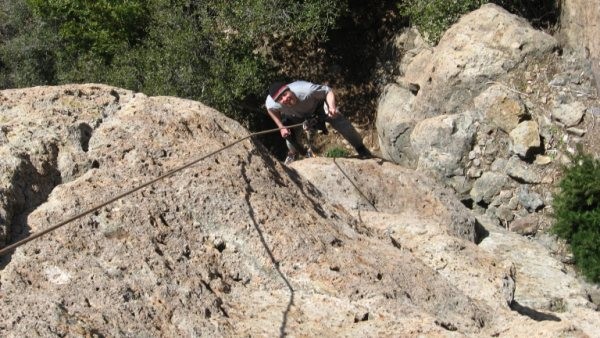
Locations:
{"points": [[17, 244], [354, 185]]}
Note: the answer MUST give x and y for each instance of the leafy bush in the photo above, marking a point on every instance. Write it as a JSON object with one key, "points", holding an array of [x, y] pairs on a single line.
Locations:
{"points": [[337, 152], [101, 27], [219, 52], [577, 213], [26, 47], [434, 17]]}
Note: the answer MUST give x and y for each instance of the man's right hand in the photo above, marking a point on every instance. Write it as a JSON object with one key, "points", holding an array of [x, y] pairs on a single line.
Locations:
{"points": [[285, 132]]}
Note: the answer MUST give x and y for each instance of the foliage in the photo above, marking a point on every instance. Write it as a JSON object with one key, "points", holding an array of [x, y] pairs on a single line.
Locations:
{"points": [[219, 52], [25, 59], [223, 53], [337, 152], [102, 28], [434, 17], [577, 212]]}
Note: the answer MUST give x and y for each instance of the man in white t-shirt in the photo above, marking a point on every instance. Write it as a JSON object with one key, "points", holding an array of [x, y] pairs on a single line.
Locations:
{"points": [[293, 103]]}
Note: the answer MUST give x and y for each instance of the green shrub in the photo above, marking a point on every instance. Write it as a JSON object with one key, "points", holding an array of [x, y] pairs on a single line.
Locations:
{"points": [[223, 53], [577, 213], [337, 152], [434, 17], [102, 27]]}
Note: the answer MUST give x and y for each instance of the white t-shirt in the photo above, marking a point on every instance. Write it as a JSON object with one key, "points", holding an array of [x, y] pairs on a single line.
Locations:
{"points": [[310, 97]]}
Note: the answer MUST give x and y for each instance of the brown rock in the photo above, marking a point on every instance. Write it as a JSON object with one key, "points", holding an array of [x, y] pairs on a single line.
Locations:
{"points": [[527, 225], [238, 245]]}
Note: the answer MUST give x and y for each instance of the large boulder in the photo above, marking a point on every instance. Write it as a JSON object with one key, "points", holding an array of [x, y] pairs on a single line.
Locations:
{"points": [[395, 122], [387, 188], [443, 143], [45, 138], [483, 47], [579, 30], [490, 270], [503, 108], [545, 290], [237, 244], [234, 245]]}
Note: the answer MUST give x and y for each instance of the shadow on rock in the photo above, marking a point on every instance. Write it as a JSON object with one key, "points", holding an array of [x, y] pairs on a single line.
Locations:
{"points": [[533, 314], [249, 191]]}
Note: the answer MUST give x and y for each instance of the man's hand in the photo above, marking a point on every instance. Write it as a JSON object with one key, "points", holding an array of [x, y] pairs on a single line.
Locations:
{"points": [[332, 112], [331, 106], [285, 132]]}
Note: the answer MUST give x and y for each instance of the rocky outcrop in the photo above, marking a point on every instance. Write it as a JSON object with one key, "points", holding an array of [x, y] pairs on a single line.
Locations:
{"points": [[395, 122], [517, 279], [493, 111], [37, 153], [579, 30], [238, 244], [484, 46]]}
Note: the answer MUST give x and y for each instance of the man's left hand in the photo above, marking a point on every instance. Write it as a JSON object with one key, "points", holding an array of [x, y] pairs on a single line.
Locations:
{"points": [[332, 112]]}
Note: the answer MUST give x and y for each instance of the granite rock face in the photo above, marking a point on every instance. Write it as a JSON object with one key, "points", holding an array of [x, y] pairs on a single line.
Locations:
{"points": [[495, 99], [484, 47], [579, 30], [521, 281], [236, 244]]}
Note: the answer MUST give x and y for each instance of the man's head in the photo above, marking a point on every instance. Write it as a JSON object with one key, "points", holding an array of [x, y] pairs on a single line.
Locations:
{"points": [[282, 94]]}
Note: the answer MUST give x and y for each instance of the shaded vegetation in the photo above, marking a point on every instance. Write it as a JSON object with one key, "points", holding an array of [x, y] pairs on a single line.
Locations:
{"points": [[433, 17], [222, 53], [337, 152], [577, 213], [217, 52]]}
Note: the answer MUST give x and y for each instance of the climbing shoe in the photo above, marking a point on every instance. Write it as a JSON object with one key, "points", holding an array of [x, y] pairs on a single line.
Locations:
{"points": [[290, 158], [363, 152]]}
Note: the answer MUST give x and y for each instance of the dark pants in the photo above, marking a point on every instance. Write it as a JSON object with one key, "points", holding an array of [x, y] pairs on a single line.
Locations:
{"points": [[339, 123]]}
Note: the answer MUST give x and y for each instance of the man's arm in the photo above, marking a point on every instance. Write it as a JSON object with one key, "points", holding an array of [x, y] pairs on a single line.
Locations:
{"points": [[276, 117], [331, 107]]}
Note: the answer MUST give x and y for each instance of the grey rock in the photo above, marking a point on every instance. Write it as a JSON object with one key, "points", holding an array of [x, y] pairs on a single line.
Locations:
{"points": [[443, 143], [505, 214], [534, 263], [474, 172], [395, 122], [558, 81], [542, 160], [503, 198], [576, 131], [594, 111], [499, 164], [569, 114], [521, 172], [485, 44], [502, 107], [579, 31], [531, 201], [487, 186]]}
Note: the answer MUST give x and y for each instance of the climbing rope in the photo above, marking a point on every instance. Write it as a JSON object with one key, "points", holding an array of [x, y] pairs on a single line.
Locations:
{"points": [[354, 185], [23, 241]]}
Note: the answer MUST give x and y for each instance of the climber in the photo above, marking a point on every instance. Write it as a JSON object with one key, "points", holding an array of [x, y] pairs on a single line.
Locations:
{"points": [[293, 103]]}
